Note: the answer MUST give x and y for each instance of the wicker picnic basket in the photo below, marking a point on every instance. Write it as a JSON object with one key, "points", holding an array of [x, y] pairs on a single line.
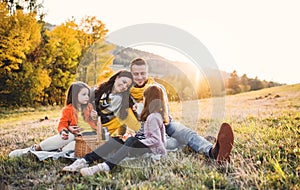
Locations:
{"points": [[85, 144]]}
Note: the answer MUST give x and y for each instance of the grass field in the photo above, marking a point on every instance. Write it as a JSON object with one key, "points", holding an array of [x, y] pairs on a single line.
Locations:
{"points": [[266, 153]]}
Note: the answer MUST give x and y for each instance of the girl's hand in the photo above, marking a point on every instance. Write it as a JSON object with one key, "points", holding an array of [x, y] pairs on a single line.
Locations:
{"points": [[74, 129], [64, 134], [94, 115]]}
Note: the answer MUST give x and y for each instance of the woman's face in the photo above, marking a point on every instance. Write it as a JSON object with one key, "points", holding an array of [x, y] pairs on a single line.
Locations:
{"points": [[83, 96], [121, 84]]}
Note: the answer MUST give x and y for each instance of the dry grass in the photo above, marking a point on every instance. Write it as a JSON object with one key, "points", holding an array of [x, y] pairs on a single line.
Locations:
{"points": [[266, 152]]}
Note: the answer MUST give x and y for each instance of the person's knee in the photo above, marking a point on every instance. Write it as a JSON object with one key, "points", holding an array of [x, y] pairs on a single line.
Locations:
{"points": [[170, 129], [114, 141], [175, 127], [130, 141]]}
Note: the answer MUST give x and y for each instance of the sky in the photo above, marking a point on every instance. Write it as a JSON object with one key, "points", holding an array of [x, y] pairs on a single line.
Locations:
{"points": [[260, 38]]}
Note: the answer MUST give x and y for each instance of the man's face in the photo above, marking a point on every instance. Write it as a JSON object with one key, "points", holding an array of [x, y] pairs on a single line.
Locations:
{"points": [[140, 74]]}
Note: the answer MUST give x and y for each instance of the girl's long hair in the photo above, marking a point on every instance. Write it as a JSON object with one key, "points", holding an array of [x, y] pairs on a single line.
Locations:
{"points": [[72, 95], [107, 87], [154, 102]]}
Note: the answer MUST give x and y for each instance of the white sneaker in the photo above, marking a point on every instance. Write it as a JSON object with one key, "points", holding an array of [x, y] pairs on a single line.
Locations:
{"points": [[78, 164], [20, 152], [102, 167]]}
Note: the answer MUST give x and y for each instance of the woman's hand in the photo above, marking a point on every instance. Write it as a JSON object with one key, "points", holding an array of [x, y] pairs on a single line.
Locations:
{"points": [[74, 129], [134, 107], [138, 108]]}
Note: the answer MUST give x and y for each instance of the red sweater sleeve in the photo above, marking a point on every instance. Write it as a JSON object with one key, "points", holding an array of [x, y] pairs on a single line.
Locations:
{"points": [[65, 119]]}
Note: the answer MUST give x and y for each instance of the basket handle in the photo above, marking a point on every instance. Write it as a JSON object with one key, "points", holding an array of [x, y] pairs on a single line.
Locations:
{"points": [[99, 130]]}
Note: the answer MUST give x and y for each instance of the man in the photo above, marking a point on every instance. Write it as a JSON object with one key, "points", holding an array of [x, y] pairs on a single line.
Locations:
{"points": [[184, 135]]}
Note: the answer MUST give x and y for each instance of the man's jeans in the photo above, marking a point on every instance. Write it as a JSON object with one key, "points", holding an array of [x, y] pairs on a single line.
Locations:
{"points": [[186, 136]]}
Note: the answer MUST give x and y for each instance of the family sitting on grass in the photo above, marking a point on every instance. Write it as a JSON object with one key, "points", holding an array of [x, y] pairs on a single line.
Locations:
{"points": [[118, 102]]}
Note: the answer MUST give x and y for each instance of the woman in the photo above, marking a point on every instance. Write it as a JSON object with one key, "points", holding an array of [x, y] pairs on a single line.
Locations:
{"points": [[112, 99]]}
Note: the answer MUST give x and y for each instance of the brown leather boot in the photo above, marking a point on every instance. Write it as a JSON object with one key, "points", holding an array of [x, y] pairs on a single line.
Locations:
{"points": [[221, 150]]}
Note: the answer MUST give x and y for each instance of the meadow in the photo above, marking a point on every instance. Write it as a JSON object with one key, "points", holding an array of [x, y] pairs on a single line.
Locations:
{"points": [[266, 153]]}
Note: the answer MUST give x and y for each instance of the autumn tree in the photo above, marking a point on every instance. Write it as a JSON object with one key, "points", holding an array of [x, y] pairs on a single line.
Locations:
{"points": [[95, 57], [256, 84], [90, 30], [244, 83], [61, 56], [19, 38], [233, 83]]}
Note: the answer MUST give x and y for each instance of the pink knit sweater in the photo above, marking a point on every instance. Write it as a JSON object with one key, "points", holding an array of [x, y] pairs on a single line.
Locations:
{"points": [[155, 135]]}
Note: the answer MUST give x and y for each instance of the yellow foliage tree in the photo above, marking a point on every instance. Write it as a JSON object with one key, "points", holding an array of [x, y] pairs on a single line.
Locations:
{"points": [[19, 38], [61, 54]]}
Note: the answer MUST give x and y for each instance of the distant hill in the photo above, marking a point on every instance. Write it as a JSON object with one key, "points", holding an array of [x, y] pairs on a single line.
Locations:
{"points": [[185, 80], [158, 65], [182, 80]]}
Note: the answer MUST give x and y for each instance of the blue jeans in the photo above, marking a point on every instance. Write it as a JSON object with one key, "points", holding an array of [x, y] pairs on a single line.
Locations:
{"points": [[186, 136]]}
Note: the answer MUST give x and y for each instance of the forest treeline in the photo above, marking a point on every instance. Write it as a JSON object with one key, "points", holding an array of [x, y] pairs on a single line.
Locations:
{"points": [[236, 84], [39, 61]]}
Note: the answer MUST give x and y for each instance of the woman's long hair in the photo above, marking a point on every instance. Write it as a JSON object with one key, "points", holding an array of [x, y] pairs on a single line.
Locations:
{"points": [[154, 102], [107, 87], [72, 95]]}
